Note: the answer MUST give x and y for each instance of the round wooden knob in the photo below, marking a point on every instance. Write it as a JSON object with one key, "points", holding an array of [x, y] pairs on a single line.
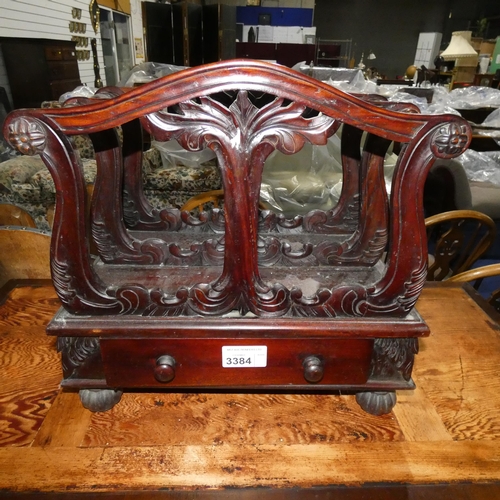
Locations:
{"points": [[165, 369], [313, 369]]}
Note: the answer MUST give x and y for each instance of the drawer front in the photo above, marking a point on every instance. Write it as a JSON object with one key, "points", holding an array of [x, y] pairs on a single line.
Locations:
{"points": [[53, 53], [199, 362], [60, 53]]}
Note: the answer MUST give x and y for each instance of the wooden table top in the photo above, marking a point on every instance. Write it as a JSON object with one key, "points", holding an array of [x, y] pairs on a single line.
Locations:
{"points": [[443, 436]]}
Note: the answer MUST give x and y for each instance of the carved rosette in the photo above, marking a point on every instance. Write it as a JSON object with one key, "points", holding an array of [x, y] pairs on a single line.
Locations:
{"points": [[27, 135], [449, 140]]}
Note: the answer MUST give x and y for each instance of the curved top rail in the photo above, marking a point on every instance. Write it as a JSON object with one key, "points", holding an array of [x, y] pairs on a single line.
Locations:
{"points": [[239, 75]]}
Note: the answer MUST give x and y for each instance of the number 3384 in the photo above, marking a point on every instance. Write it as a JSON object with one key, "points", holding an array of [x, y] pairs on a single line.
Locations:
{"points": [[238, 361]]}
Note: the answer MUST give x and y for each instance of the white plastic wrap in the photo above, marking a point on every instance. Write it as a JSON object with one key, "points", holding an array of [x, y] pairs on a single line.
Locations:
{"points": [[474, 97], [147, 72], [310, 179], [81, 91], [493, 120], [481, 166], [173, 154]]}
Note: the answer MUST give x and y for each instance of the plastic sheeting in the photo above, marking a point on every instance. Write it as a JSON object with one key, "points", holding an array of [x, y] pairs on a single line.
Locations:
{"points": [[81, 91], [147, 72], [173, 154], [310, 179], [481, 166]]}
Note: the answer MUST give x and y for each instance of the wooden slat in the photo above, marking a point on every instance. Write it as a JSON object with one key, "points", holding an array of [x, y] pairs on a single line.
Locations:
{"points": [[105, 468], [456, 367], [418, 418], [65, 424]]}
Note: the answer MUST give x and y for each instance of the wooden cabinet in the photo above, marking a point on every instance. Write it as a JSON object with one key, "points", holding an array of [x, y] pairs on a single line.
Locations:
{"points": [[189, 34], [39, 70]]}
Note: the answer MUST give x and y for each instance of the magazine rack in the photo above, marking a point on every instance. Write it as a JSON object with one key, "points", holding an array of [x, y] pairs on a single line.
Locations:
{"points": [[239, 298]]}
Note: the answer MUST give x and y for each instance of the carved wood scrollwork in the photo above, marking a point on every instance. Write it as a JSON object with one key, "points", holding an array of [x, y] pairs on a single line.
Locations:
{"points": [[76, 351], [393, 357], [242, 135]]}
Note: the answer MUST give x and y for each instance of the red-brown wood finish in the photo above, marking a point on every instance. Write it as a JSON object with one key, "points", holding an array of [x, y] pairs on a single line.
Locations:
{"points": [[356, 269]]}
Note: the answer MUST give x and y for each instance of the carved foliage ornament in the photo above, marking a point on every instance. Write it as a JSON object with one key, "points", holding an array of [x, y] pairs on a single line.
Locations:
{"points": [[27, 136], [243, 125]]}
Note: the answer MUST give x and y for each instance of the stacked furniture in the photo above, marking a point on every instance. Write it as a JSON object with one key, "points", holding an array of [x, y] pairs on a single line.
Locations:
{"points": [[243, 298]]}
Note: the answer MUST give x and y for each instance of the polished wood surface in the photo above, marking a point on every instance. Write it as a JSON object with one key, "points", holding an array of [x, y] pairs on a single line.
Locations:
{"points": [[24, 254], [12, 215], [445, 431]]}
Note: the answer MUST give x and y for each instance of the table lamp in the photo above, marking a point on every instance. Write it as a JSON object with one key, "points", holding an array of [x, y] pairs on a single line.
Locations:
{"points": [[465, 56]]}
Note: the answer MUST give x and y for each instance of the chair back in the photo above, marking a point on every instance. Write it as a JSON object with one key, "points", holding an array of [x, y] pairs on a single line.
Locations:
{"points": [[476, 277], [456, 240]]}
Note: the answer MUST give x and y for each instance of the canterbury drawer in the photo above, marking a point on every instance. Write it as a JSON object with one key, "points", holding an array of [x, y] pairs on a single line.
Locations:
{"points": [[235, 362]]}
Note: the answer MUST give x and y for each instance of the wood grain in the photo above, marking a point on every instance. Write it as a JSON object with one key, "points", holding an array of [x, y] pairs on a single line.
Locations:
{"points": [[65, 424], [211, 466], [30, 368], [446, 431], [24, 253], [27, 307], [196, 419], [463, 390]]}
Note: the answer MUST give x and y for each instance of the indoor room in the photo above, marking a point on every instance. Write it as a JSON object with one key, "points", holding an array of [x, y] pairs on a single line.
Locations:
{"points": [[249, 249]]}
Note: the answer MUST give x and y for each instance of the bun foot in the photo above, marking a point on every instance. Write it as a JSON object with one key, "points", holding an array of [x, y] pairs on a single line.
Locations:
{"points": [[99, 399], [376, 403]]}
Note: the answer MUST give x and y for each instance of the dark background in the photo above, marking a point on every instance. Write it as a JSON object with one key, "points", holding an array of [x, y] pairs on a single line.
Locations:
{"points": [[390, 28]]}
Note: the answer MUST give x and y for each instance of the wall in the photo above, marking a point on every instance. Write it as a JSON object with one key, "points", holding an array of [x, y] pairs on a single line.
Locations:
{"points": [[47, 19], [136, 20], [390, 28]]}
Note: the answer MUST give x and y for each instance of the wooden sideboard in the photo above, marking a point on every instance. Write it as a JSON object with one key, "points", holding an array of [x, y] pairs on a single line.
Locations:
{"points": [[39, 70]]}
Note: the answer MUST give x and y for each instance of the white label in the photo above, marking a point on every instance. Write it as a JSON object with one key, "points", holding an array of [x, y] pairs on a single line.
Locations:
{"points": [[244, 356]]}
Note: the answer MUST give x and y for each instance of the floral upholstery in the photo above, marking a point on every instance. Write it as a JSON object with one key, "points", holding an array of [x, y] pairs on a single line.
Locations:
{"points": [[26, 182]]}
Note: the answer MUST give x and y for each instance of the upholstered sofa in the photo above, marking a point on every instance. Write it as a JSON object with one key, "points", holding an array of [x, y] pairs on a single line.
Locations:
{"points": [[26, 182]]}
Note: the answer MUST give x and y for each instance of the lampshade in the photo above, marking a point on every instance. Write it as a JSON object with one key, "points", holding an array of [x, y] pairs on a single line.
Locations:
{"points": [[371, 56], [459, 47]]}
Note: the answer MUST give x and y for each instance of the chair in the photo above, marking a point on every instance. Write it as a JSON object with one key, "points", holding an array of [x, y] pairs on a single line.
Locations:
{"points": [[24, 254], [477, 276], [215, 197], [12, 215], [456, 240]]}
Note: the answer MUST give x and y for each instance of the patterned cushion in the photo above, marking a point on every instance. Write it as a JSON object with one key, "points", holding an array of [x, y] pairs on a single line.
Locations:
{"points": [[185, 179], [18, 171], [84, 146], [26, 182]]}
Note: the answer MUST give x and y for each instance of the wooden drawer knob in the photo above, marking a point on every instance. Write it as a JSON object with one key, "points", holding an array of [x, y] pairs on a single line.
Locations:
{"points": [[165, 369], [313, 369]]}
